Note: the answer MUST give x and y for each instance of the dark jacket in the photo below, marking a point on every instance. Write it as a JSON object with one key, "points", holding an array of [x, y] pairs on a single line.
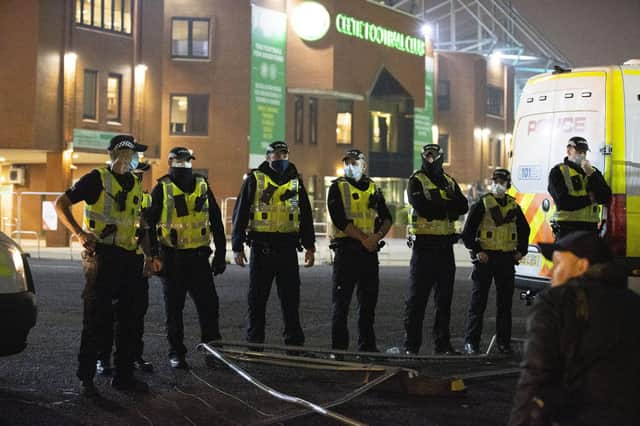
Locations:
{"points": [[474, 218], [436, 207], [242, 211], [336, 206], [560, 193], [582, 356]]}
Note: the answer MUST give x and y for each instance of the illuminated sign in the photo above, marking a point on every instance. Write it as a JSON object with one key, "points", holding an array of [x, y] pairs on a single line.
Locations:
{"points": [[353, 27], [310, 21]]}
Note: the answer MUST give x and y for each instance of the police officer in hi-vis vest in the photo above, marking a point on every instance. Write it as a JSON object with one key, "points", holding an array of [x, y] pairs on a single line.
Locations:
{"points": [[497, 233], [187, 217], [577, 189], [273, 215], [356, 206], [103, 365], [112, 267], [437, 203]]}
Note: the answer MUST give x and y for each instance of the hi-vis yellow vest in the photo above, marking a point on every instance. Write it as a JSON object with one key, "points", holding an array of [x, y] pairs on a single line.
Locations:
{"points": [[356, 207], [191, 230], [419, 225], [589, 213], [492, 236], [281, 212], [106, 211]]}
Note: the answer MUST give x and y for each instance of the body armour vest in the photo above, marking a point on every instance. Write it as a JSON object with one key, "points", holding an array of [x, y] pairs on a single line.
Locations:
{"points": [[275, 208], [419, 225], [356, 208]]}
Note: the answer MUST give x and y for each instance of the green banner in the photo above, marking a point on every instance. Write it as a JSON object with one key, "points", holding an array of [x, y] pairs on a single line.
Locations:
{"points": [[91, 139], [268, 80], [423, 117]]}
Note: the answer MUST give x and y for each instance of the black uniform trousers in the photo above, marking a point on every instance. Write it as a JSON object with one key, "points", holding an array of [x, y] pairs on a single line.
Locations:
{"points": [[561, 229], [354, 266], [267, 263], [188, 271], [141, 305], [112, 277], [500, 270], [431, 267]]}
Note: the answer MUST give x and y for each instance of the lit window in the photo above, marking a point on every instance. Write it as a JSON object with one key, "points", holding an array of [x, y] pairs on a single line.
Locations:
{"points": [[344, 122], [114, 92], [189, 114], [381, 132], [109, 15], [190, 38], [90, 95]]}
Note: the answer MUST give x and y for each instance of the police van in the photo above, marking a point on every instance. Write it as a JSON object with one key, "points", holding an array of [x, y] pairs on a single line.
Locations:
{"points": [[17, 298], [601, 104]]}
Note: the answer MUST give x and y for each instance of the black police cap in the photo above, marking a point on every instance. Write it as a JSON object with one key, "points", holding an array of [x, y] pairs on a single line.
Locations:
{"points": [[277, 146], [583, 244], [181, 153], [579, 143], [125, 142], [501, 174], [355, 154]]}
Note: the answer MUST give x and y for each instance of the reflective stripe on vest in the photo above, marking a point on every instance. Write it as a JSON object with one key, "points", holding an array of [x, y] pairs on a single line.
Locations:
{"points": [[419, 225], [356, 208], [589, 213], [191, 230], [276, 215], [106, 211], [492, 236]]}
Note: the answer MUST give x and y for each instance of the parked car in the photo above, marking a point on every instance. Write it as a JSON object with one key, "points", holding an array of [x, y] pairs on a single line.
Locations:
{"points": [[17, 297]]}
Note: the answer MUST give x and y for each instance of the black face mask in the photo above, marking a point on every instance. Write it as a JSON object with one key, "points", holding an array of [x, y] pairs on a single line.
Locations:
{"points": [[181, 174], [433, 169]]}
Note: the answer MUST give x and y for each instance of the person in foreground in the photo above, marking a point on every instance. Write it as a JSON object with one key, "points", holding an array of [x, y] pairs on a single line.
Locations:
{"points": [[581, 356]]}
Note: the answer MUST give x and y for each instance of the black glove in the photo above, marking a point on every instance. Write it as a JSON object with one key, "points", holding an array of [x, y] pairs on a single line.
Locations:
{"points": [[218, 265]]}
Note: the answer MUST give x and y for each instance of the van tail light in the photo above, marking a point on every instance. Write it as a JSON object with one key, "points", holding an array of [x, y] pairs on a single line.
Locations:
{"points": [[616, 226]]}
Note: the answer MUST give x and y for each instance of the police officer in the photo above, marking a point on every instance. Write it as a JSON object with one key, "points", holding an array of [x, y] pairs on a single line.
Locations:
{"points": [[355, 205], [273, 215], [577, 188], [497, 233], [103, 365], [437, 203], [186, 215], [113, 197]]}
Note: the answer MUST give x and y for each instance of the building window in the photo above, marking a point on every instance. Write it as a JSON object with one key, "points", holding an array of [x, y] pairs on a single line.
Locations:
{"points": [[443, 141], [190, 38], [381, 132], [298, 119], [189, 114], [344, 122], [313, 121], [90, 95], [114, 97], [107, 15], [495, 156], [444, 98], [495, 99]]}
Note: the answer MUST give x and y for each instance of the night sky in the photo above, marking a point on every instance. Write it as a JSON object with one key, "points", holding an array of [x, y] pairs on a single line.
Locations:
{"points": [[588, 32]]}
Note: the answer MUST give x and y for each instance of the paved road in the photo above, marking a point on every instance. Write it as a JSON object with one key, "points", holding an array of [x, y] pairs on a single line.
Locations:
{"points": [[39, 386]]}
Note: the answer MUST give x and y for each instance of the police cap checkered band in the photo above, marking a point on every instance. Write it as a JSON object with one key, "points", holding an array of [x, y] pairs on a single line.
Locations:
{"points": [[579, 143], [181, 153], [432, 148], [501, 174], [277, 146], [125, 142], [355, 154]]}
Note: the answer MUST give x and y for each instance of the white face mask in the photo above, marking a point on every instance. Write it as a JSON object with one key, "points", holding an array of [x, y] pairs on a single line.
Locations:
{"points": [[353, 171], [579, 158], [122, 161], [181, 164], [498, 189]]}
